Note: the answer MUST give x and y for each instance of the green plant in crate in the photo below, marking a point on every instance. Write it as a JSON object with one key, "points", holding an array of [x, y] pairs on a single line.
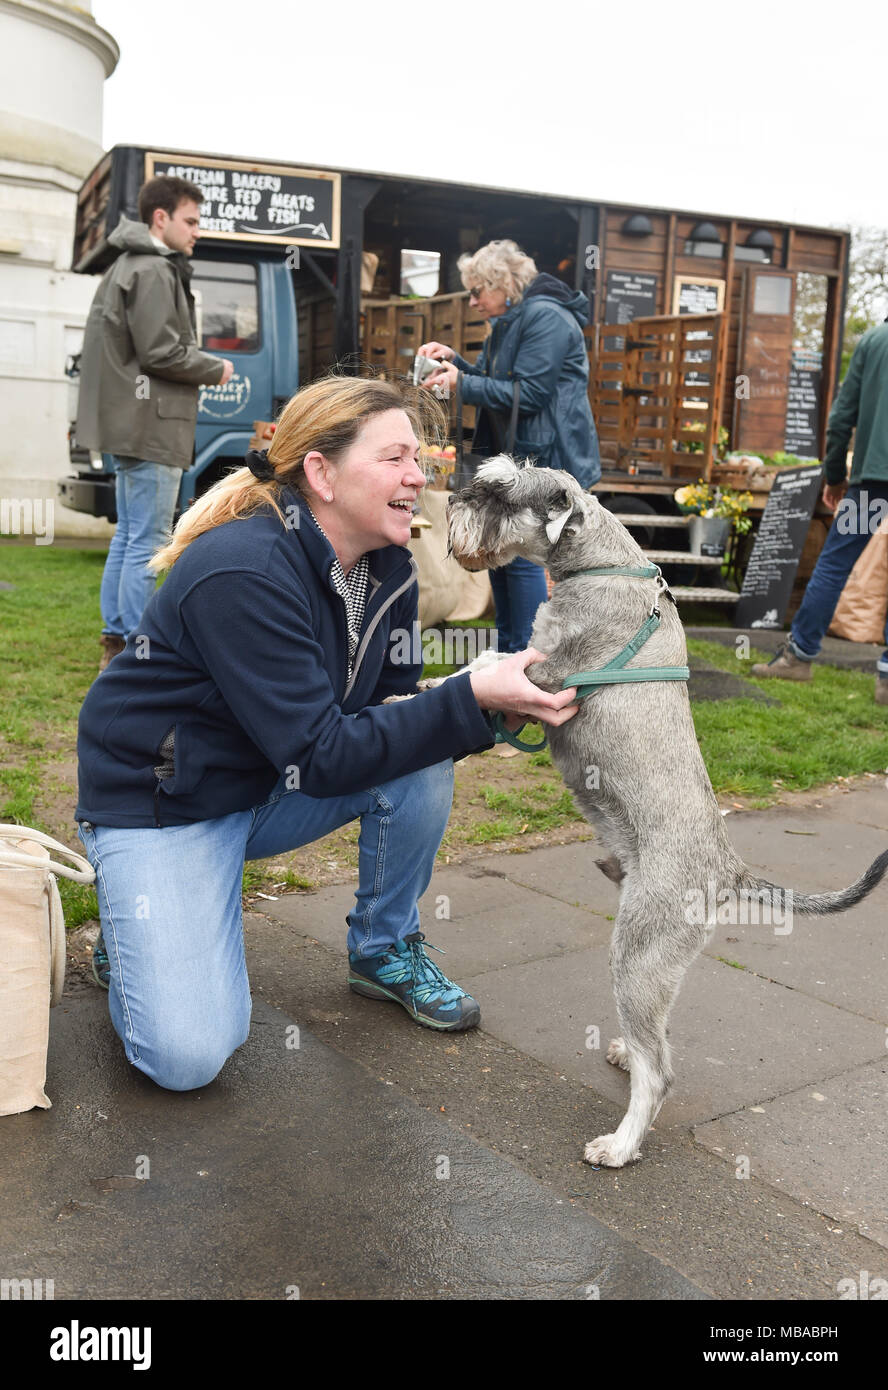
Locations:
{"points": [[699, 499], [783, 460], [695, 446]]}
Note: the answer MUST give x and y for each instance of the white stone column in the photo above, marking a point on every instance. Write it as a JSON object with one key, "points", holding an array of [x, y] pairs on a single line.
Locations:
{"points": [[54, 59]]}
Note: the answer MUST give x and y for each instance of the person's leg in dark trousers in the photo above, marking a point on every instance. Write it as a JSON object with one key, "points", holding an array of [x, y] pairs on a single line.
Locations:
{"points": [[518, 590], [846, 541], [857, 518]]}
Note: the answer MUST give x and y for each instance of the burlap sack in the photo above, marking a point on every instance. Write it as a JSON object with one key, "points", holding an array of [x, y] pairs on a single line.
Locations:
{"points": [[447, 592], [860, 615], [32, 960]]}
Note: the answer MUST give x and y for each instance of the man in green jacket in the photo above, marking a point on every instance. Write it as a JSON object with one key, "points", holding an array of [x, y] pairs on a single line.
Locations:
{"points": [[139, 376], [860, 504]]}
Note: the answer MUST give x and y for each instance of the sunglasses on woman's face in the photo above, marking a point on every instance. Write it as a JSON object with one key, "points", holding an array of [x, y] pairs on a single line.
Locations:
{"points": [[476, 294]]}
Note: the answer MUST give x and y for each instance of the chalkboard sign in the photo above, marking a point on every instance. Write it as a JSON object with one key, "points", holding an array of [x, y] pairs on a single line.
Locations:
{"points": [[253, 202], [775, 556], [697, 297], [803, 406], [629, 295]]}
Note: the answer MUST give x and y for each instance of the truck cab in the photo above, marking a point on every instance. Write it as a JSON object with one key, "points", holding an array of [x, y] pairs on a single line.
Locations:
{"points": [[246, 311]]}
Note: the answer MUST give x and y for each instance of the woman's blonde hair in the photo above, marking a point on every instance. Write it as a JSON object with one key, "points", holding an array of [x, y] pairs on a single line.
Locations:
{"points": [[500, 265], [326, 416]]}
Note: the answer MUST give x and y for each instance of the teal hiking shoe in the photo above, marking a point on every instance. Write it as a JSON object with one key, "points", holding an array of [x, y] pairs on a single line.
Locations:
{"points": [[404, 974], [101, 966]]}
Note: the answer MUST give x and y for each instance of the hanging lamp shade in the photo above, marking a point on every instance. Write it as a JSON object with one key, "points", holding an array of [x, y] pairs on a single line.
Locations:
{"points": [[637, 225], [761, 239], [705, 231]]}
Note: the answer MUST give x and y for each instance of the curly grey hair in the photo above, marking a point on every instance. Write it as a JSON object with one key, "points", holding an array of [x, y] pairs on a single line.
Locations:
{"points": [[500, 265]]}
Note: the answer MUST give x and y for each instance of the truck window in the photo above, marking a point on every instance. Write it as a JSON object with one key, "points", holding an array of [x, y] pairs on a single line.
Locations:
{"points": [[228, 305]]}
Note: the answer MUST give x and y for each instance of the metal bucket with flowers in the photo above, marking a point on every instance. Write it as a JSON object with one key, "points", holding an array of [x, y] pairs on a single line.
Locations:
{"points": [[715, 512]]}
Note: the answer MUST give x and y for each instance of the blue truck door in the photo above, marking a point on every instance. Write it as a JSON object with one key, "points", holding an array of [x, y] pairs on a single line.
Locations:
{"points": [[246, 312]]}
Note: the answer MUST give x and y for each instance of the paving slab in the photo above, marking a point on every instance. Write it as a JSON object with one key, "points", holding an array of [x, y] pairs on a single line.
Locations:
{"points": [[294, 1169], [682, 1203], [566, 872], [841, 960], [804, 849], [824, 1145], [480, 921], [737, 1039]]}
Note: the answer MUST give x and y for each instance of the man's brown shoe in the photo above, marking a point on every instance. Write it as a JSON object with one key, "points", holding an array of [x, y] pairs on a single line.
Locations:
{"points": [[785, 665], [111, 646], [882, 690]]}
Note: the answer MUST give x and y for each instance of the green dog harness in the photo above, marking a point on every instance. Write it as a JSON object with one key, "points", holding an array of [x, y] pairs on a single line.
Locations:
{"points": [[590, 683]]}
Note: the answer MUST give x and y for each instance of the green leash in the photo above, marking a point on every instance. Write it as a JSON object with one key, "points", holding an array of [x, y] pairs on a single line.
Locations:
{"points": [[504, 735], [589, 683]]}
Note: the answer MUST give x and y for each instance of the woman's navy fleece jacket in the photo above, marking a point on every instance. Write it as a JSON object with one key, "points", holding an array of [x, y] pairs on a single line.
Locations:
{"points": [[243, 653]]}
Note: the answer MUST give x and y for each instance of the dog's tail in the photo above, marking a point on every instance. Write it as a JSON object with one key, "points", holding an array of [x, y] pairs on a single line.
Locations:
{"points": [[820, 904]]}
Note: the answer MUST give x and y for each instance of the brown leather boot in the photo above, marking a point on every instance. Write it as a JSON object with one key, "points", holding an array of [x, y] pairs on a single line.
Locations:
{"points": [[882, 690], [785, 665], [111, 646]]}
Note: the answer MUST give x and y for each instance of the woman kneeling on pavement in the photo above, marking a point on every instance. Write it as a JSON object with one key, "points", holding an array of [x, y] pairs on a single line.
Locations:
{"points": [[245, 718]]}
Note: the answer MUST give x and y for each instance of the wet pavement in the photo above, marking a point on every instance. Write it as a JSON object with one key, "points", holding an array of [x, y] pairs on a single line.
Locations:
{"points": [[346, 1153], [293, 1175]]}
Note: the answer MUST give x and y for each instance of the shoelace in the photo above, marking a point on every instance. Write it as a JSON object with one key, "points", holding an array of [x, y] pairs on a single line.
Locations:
{"points": [[432, 979]]}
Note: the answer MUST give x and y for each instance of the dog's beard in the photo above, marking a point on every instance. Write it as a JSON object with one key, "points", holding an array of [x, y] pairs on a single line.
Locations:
{"points": [[478, 545]]}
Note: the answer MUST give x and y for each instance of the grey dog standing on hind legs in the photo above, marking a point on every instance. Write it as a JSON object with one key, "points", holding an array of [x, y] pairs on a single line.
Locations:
{"points": [[650, 798]]}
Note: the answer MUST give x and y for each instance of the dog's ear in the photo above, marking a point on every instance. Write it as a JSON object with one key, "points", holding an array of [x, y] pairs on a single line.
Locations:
{"points": [[561, 510]]}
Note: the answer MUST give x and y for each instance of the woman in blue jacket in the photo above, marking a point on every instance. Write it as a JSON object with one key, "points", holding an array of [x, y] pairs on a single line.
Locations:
{"points": [[245, 718], [536, 342]]}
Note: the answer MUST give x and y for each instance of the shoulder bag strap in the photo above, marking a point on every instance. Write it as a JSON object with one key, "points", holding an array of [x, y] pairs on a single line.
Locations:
{"points": [[82, 874]]}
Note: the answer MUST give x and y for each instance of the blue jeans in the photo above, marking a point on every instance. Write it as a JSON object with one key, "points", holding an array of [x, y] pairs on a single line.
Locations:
{"points": [[518, 590], [846, 540], [170, 908], [146, 503]]}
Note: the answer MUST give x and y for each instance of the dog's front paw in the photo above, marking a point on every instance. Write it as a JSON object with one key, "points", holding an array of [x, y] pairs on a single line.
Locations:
{"points": [[606, 1151], [616, 1054], [488, 657]]}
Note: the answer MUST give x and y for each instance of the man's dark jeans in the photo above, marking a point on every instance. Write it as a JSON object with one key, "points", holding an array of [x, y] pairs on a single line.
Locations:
{"points": [[856, 521]]}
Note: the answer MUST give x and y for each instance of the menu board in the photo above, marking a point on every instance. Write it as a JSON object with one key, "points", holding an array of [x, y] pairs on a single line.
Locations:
{"points": [[771, 571], [253, 202], [697, 297], [802, 434], [629, 295]]}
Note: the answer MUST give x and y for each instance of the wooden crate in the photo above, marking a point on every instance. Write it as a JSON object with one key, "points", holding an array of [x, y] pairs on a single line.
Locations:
{"points": [[652, 395], [393, 330]]}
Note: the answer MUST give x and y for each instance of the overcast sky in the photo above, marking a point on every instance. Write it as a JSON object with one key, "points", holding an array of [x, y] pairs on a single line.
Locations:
{"points": [[771, 109]]}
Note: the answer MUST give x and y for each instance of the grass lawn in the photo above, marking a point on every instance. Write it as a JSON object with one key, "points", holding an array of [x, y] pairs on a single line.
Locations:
{"points": [[49, 651], [826, 729]]}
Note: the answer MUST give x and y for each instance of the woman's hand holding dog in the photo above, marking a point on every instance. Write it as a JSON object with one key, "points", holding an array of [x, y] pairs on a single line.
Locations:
{"points": [[505, 687]]}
